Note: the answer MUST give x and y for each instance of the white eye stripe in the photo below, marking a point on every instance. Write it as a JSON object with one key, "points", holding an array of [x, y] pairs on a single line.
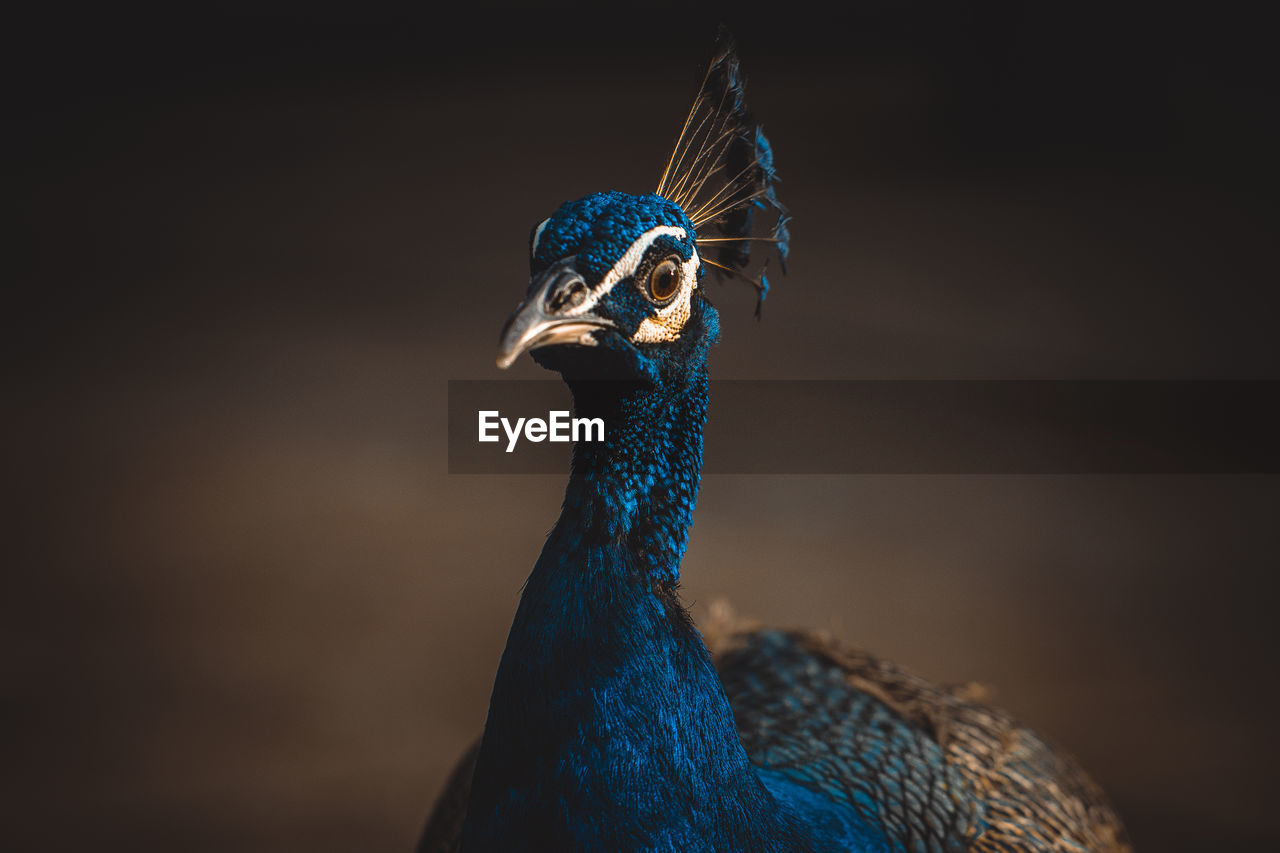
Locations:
{"points": [[626, 265], [630, 259]]}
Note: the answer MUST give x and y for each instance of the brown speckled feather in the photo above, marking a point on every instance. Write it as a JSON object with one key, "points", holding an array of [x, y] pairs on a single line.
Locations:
{"points": [[1037, 796], [1033, 796]]}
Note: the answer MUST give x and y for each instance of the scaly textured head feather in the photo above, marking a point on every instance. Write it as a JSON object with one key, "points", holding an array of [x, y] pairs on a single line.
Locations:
{"points": [[721, 171]]}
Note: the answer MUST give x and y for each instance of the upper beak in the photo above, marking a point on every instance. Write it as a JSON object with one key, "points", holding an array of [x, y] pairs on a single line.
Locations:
{"points": [[547, 317]]}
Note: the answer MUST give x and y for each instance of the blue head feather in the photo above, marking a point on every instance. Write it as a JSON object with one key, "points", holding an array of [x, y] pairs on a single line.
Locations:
{"points": [[598, 228]]}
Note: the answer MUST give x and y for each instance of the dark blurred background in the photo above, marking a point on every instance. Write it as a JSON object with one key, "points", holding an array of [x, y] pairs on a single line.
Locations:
{"points": [[247, 608]]}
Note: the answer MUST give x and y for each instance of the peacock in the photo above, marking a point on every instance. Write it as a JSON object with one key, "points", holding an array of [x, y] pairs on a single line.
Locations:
{"points": [[611, 726]]}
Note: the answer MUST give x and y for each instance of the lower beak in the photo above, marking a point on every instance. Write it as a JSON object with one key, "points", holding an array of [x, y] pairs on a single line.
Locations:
{"points": [[534, 325]]}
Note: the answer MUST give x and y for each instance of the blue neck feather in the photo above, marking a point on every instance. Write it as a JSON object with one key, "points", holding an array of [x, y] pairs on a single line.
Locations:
{"points": [[637, 489], [608, 727]]}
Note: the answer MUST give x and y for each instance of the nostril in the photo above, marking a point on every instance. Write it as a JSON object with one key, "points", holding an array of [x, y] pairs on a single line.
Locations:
{"points": [[568, 295]]}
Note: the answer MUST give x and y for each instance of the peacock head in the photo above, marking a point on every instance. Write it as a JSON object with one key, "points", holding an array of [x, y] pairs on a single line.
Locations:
{"points": [[614, 291], [616, 280]]}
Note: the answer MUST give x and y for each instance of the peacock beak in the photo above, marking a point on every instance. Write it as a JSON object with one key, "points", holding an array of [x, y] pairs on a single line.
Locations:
{"points": [[552, 314]]}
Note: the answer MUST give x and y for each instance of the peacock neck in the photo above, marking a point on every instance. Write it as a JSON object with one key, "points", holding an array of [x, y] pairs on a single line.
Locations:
{"points": [[608, 727], [639, 486]]}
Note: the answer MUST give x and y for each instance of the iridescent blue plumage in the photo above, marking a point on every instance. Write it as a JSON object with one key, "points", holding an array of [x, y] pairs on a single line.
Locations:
{"points": [[597, 229], [611, 727]]}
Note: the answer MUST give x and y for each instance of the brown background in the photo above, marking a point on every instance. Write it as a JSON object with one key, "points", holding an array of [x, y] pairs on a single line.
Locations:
{"points": [[246, 607]]}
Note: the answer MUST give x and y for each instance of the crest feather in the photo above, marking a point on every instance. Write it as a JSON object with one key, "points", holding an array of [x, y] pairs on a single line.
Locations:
{"points": [[721, 171]]}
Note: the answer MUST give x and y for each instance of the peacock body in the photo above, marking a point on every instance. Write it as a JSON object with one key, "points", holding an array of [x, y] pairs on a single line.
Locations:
{"points": [[611, 726]]}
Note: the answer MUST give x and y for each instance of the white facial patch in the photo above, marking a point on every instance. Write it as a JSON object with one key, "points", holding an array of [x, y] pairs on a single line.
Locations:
{"points": [[625, 266], [667, 322]]}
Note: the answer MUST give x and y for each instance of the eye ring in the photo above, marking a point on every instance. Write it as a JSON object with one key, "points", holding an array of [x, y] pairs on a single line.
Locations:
{"points": [[664, 280]]}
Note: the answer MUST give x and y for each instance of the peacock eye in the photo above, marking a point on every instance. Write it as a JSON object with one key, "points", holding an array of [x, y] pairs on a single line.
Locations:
{"points": [[664, 281]]}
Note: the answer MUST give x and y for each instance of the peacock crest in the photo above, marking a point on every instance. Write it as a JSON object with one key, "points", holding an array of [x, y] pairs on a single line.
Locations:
{"points": [[721, 172]]}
